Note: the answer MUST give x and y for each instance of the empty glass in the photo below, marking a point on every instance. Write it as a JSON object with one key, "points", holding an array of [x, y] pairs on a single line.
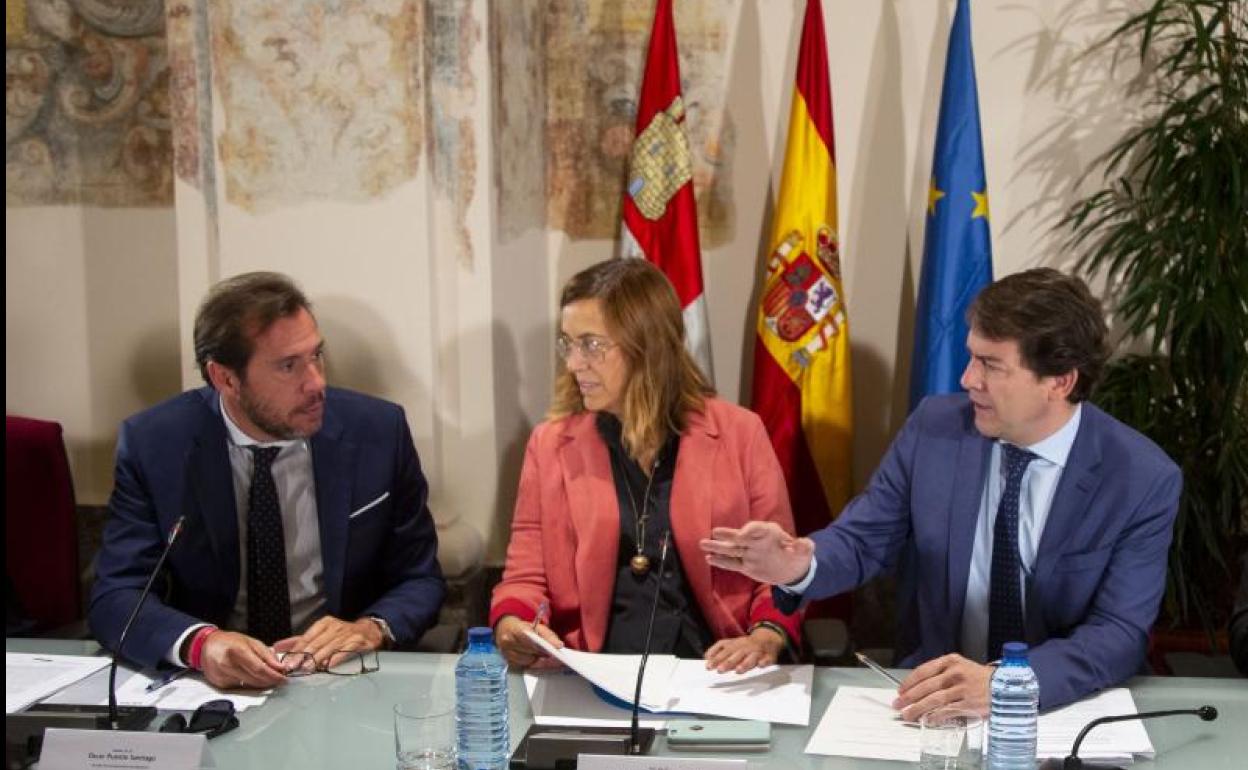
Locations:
{"points": [[424, 733], [951, 739]]}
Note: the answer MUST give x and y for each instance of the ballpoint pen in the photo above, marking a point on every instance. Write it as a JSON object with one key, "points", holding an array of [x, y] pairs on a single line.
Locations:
{"points": [[542, 610], [877, 668], [166, 679]]}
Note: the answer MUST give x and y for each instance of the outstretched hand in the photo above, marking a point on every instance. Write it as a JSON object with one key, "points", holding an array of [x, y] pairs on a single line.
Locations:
{"points": [[761, 550]]}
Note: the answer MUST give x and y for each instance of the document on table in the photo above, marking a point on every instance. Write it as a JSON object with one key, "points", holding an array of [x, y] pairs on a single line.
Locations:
{"points": [[564, 697], [860, 722], [185, 694], [779, 694], [1116, 742], [29, 678]]}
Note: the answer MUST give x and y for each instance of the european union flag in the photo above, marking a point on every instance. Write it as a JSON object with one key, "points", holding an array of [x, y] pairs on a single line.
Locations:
{"points": [[957, 247]]}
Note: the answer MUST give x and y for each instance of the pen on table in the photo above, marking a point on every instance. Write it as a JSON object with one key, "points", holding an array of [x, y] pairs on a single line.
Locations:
{"points": [[877, 668], [166, 679]]}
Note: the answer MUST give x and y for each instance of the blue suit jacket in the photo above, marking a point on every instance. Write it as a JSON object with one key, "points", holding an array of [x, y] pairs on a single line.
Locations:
{"points": [[1100, 569], [173, 460]]}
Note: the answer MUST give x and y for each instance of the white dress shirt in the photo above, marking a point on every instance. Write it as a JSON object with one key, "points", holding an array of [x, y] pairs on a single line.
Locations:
{"points": [[296, 491], [1035, 500]]}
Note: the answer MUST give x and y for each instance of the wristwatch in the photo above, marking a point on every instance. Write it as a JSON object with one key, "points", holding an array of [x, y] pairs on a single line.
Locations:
{"points": [[385, 629]]}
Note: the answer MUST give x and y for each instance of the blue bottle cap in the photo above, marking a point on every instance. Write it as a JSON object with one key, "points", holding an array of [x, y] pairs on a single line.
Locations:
{"points": [[480, 634], [1014, 650]]}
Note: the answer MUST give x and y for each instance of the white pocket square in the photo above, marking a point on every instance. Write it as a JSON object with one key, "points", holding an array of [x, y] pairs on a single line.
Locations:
{"points": [[355, 513]]}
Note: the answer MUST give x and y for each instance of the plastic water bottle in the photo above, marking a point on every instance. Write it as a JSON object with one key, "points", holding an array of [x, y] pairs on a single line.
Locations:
{"points": [[481, 736], [1015, 708]]}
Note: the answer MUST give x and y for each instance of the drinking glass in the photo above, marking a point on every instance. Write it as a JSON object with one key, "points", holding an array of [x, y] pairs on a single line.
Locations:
{"points": [[951, 739], [424, 734]]}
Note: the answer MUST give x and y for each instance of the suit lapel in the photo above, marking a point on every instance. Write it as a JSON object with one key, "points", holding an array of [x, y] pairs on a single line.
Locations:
{"points": [[594, 511], [211, 482], [333, 469], [1080, 479], [970, 472]]}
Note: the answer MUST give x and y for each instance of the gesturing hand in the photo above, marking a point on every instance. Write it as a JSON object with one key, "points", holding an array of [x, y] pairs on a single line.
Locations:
{"points": [[761, 550]]}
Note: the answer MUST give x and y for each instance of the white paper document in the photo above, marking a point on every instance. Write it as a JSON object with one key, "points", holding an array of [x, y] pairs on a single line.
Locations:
{"points": [[564, 697], [778, 694], [185, 694], [1116, 742], [29, 678], [860, 722]]}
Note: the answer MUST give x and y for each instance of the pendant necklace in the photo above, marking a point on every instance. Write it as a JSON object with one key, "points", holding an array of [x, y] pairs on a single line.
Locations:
{"points": [[640, 563]]}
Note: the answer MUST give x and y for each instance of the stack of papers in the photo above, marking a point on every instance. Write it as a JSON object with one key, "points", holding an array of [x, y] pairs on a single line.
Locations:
{"points": [[185, 694], [30, 678], [1113, 743], [860, 722], [779, 694]]}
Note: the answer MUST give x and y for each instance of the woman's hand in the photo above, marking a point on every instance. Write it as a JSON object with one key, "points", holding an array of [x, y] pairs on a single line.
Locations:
{"points": [[518, 649], [761, 647]]}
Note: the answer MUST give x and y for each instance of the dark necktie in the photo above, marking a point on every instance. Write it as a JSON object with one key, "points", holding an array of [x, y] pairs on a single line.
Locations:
{"points": [[268, 598], [1005, 605]]}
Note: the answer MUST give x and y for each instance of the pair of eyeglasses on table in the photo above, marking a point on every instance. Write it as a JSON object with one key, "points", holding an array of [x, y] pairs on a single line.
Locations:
{"points": [[338, 663]]}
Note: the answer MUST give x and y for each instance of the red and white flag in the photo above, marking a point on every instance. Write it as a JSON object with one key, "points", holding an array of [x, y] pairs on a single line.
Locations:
{"points": [[660, 214]]}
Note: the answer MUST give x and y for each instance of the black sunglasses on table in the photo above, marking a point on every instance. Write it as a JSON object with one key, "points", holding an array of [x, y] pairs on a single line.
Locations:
{"points": [[213, 718]]}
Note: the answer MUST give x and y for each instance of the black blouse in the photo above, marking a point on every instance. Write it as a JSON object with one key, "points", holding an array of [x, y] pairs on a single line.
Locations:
{"points": [[679, 628]]}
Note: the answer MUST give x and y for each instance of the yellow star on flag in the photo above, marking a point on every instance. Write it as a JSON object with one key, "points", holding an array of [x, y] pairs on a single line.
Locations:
{"points": [[933, 195], [981, 204]]}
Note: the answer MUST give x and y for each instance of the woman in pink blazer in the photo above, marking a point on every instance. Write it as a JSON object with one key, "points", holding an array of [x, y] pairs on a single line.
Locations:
{"points": [[636, 446]]}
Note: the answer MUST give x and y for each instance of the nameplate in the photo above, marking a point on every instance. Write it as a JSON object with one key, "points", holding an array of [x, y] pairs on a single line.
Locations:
{"points": [[108, 750], [605, 762]]}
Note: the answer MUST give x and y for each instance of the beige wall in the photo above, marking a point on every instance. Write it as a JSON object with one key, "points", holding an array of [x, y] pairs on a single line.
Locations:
{"points": [[465, 345]]}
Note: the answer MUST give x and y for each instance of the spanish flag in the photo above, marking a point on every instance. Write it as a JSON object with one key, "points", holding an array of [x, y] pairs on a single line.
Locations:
{"points": [[801, 355]]}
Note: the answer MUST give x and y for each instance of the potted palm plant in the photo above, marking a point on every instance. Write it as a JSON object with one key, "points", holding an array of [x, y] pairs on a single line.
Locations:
{"points": [[1168, 229]]}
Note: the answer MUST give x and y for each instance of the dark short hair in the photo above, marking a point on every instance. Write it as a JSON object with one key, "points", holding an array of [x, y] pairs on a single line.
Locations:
{"points": [[238, 309], [1057, 323]]}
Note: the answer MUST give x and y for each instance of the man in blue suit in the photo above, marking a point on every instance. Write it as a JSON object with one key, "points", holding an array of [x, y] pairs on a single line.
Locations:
{"points": [[306, 528], [1014, 511]]}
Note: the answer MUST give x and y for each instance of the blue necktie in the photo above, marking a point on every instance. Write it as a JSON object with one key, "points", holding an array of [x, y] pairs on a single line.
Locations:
{"points": [[1005, 597], [268, 596]]}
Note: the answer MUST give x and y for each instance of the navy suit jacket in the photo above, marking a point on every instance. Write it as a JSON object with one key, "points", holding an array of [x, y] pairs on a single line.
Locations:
{"points": [[173, 460], [1100, 568]]}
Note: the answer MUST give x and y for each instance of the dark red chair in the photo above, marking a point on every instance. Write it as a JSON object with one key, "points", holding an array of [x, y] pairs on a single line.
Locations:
{"points": [[40, 530]]}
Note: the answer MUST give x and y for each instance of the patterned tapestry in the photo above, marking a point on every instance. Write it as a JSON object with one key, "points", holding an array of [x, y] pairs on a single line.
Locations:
{"points": [[589, 68], [86, 103]]}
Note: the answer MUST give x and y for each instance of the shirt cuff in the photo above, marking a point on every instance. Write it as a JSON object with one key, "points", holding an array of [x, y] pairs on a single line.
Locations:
{"points": [[799, 588], [172, 655]]}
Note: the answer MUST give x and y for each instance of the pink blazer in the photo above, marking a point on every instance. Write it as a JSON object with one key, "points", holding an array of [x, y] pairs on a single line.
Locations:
{"points": [[566, 529]]}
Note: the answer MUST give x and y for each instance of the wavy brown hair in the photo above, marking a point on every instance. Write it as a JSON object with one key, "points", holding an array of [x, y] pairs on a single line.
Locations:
{"points": [[643, 318]]}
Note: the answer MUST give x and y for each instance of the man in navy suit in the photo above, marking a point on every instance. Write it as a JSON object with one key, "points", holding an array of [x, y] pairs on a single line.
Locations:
{"points": [[1014, 511], [306, 528]]}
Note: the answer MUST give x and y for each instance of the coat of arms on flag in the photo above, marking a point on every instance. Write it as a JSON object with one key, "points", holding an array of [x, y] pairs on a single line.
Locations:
{"points": [[660, 163], [800, 299]]}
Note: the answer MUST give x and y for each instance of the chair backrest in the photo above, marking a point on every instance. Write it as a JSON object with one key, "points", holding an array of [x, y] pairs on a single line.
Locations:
{"points": [[40, 530]]}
